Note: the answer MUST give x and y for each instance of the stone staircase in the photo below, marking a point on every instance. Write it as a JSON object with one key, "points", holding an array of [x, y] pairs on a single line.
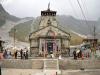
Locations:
{"points": [[51, 64], [51, 67]]}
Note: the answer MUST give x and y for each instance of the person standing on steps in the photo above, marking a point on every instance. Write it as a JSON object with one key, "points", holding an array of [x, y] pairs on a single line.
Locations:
{"points": [[15, 54], [26, 56], [21, 54], [75, 55]]}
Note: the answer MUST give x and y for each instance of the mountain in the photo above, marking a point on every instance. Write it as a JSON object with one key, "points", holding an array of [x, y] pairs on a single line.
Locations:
{"points": [[79, 29], [23, 30], [4, 15], [27, 18], [79, 26]]}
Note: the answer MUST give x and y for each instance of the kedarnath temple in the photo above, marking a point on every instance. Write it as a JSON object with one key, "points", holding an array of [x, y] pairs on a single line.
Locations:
{"points": [[49, 39]]}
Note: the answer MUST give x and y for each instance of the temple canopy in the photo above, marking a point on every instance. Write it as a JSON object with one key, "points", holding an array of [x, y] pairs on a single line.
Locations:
{"points": [[48, 12]]}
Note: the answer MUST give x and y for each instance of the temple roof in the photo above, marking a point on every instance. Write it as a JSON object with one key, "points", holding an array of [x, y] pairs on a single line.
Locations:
{"points": [[44, 31]]}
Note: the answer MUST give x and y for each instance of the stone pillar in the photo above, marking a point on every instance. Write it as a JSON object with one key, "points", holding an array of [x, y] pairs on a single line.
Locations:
{"points": [[45, 47], [59, 46], [54, 47], [40, 46]]}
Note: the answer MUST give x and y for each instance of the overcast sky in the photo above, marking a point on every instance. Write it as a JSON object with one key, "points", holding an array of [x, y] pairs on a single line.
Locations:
{"points": [[32, 8]]}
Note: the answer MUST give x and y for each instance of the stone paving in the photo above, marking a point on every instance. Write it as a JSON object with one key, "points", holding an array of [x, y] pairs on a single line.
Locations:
{"points": [[79, 72], [49, 72]]}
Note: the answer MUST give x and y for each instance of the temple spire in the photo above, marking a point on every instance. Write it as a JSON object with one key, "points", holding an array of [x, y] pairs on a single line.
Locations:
{"points": [[49, 6]]}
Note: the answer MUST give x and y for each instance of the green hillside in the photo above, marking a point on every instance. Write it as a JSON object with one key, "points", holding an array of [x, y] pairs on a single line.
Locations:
{"points": [[75, 39], [22, 31], [2, 22]]}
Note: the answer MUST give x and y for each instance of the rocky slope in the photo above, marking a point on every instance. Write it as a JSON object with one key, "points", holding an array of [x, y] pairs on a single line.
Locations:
{"points": [[4, 15]]}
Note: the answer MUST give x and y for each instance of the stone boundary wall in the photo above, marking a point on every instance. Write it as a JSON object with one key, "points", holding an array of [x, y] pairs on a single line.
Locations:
{"points": [[64, 64], [22, 64], [79, 64]]}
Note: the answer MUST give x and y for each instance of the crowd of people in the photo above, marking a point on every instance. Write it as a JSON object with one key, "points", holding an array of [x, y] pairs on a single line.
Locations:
{"points": [[84, 53], [24, 53], [17, 54], [77, 54]]}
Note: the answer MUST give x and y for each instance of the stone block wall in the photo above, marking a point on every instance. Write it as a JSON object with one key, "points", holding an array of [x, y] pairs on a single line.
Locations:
{"points": [[64, 64]]}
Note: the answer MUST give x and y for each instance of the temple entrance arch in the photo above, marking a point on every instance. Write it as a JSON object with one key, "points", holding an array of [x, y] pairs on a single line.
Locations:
{"points": [[50, 46]]}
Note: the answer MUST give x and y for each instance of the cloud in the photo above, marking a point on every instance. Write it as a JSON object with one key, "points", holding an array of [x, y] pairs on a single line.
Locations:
{"points": [[7, 2], [27, 8]]}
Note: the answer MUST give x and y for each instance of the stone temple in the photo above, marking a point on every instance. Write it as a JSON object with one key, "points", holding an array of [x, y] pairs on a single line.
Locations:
{"points": [[49, 38]]}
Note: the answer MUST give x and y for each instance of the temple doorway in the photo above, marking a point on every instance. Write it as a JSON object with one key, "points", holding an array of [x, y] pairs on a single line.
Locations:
{"points": [[50, 47]]}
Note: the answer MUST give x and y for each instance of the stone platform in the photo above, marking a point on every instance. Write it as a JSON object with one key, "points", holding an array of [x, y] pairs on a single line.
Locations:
{"points": [[63, 64]]}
